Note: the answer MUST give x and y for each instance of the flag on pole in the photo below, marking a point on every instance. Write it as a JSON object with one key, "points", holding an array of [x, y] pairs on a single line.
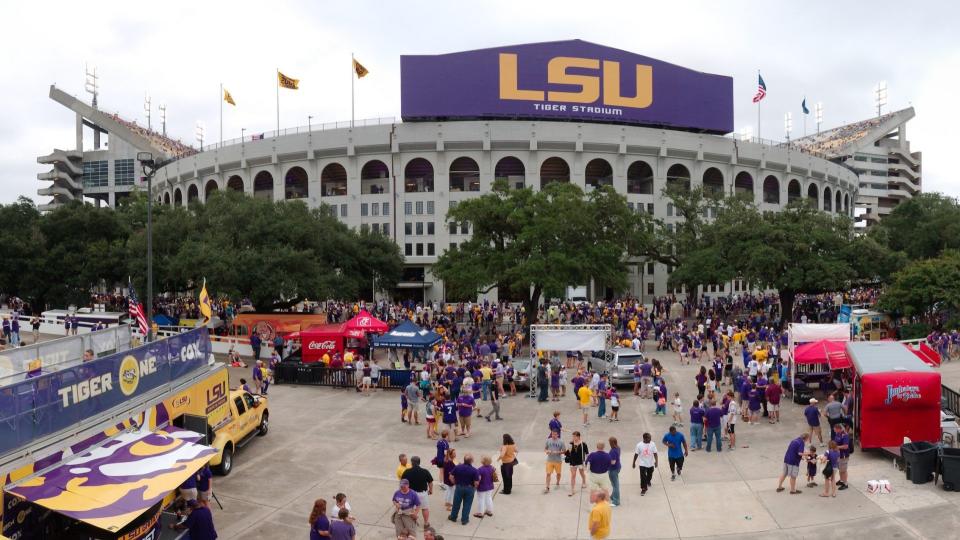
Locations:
{"points": [[761, 90], [228, 98], [361, 71], [206, 308], [803, 105], [287, 82], [136, 311]]}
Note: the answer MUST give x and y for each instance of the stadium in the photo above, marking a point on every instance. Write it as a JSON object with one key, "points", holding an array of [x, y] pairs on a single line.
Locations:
{"points": [[567, 111]]}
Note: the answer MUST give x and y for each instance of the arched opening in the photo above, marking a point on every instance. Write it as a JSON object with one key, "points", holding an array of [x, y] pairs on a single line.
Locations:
{"points": [[813, 195], [793, 190], [295, 184], [193, 193], [678, 176], [598, 173], [464, 175], [827, 199], [512, 170], [713, 182], [771, 190], [166, 199], [177, 197], [838, 205], [554, 170], [235, 183], [418, 176], [210, 188], [846, 204], [333, 180], [743, 184], [263, 185], [640, 178], [375, 177]]}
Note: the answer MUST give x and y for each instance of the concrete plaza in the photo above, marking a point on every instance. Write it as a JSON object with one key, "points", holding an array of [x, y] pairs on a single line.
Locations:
{"points": [[323, 441]]}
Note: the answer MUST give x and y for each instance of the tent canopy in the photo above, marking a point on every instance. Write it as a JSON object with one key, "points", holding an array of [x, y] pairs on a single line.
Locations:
{"points": [[366, 322], [407, 336], [112, 484], [823, 352], [806, 333]]}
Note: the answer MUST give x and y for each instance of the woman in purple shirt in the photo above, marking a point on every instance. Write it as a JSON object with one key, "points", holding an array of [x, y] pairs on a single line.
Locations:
{"points": [[754, 404], [485, 488], [319, 523]]}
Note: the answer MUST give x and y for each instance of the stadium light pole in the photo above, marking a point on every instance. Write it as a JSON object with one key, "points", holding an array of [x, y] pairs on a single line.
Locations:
{"points": [[149, 168]]}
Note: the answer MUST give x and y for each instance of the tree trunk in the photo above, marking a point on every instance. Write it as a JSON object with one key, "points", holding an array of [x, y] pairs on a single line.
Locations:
{"points": [[532, 305], [787, 298]]}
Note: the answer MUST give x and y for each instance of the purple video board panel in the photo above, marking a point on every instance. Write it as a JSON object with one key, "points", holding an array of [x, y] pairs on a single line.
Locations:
{"points": [[564, 80]]}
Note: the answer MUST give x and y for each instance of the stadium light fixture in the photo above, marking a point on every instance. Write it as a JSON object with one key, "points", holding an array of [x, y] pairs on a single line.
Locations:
{"points": [[746, 133], [147, 107], [880, 91], [788, 124], [818, 111]]}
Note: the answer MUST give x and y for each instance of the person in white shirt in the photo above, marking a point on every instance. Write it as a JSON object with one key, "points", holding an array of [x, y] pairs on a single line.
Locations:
{"points": [[753, 368], [646, 455], [733, 411]]}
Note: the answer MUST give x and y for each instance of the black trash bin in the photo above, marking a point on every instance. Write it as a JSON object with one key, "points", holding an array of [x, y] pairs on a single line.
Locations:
{"points": [[950, 468], [921, 460]]}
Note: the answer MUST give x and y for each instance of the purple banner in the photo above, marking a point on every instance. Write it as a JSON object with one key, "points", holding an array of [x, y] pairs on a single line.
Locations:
{"points": [[564, 80]]}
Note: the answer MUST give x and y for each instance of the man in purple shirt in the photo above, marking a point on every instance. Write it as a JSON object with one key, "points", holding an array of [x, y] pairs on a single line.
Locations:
{"points": [[599, 465], [813, 420], [199, 522], [465, 405], [465, 478], [791, 462], [714, 416], [842, 438], [406, 505], [696, 425]]}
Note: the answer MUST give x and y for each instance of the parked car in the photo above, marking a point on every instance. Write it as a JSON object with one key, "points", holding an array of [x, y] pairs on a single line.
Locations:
{"points": [[617, 363]]}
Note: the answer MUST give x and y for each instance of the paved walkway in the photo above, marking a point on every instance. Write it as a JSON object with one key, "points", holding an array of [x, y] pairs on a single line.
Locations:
{"points": [[323, 441]]}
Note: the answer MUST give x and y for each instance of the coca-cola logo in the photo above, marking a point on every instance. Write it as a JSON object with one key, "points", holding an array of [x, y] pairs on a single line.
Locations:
{"points": [[364, 322], [328, 345]]}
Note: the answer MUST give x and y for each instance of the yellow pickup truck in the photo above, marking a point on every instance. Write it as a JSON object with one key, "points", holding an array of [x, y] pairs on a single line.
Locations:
{"points": [[230, 419]]}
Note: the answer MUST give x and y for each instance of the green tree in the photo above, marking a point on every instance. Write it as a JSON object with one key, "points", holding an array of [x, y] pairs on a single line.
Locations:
{"points": [[540, 242], [21, 249], [927, 286], [921, 227]]}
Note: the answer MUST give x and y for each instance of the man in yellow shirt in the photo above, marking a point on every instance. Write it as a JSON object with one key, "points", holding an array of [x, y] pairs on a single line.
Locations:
{"points": [[599, 515], [404, 465], [585, 397]]}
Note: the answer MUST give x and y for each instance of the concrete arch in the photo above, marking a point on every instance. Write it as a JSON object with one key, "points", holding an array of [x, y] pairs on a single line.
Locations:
{"points": [[743, 184], [210, 187], [263, 185], [793, 190], [713, 182], [511, 169], [598, 172], [296, 184], [464, 175], [554, 169], [827, 199], [813, 195], [771, 189], [678, 175], [193, 193], [177, 197], [418, 176], [640, 178], [235, 183]]}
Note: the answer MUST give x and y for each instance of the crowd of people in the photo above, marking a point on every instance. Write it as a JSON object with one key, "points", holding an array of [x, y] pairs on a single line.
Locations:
{"points": [[173, 148]]}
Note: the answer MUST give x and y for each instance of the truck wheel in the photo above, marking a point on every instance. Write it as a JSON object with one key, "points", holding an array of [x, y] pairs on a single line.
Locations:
{"points": [[264, 425], [226, 462]]}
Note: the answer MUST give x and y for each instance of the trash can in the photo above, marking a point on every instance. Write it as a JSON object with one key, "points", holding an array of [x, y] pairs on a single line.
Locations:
{"points": [[921, 460], [950, 468]]}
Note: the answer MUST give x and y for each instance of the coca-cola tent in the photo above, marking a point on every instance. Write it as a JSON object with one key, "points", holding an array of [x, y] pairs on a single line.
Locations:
{"points": [[328, 339], [407, 336], [366, 322]]}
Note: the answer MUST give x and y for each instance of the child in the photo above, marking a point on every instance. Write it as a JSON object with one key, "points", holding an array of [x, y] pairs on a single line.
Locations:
{"points": [[661, 402], [831, 464], [404, 407], [614, 405], [811, 460], [431, 419], [677, 409]]}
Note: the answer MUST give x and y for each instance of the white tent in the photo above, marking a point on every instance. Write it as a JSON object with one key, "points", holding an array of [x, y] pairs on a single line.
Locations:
{"points": [[798, 333]]}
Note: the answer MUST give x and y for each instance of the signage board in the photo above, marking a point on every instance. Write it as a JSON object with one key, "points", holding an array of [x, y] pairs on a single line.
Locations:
{"points": [[564, 80]]}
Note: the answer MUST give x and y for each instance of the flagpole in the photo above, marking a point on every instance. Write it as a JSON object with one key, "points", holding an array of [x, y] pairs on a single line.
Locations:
{"points": [[278, 102], [351, 90], [758, 113], [221, 115]]}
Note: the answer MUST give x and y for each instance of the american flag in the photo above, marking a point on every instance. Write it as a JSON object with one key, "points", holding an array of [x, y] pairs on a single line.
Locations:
{"points": [[136, 312], [761, 90]]}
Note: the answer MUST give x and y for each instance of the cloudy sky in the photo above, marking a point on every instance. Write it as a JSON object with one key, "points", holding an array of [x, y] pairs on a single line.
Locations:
{"points": [[178, 53]]}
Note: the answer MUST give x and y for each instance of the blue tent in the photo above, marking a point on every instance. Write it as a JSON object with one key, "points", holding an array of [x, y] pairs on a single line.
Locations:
{"points": [[163, 320], [407, 336]]}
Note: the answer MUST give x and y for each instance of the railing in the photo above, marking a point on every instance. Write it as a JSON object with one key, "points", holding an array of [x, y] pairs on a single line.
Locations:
{"points": [[317, 374], [344, 124], [950, 399]]}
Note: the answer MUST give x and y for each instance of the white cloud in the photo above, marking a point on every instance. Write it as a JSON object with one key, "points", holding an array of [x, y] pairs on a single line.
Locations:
{"points": [[179, 53]]}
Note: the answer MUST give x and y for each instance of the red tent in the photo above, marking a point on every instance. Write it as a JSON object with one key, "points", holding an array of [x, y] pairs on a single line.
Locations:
{"points": [[823, 352], [365, 322]]}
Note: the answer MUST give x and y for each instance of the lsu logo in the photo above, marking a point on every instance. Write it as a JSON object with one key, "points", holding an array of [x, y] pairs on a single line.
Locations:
{"points": [[590, 85], [129, 375]]}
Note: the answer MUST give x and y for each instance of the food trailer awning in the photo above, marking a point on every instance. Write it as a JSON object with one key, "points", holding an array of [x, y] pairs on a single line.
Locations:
{"points": [[823, 352], [111, 485]]}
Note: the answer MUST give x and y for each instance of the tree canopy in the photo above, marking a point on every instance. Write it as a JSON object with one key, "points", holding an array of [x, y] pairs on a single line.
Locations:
{"points": [[921, 227], [540, 242], [276, 254], [926, 286]]}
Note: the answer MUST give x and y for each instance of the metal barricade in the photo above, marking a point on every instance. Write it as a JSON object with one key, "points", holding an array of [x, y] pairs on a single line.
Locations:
{"points": [[317, 374]]}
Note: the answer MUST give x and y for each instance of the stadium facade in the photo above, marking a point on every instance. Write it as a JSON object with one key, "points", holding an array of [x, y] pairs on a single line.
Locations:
{"points": [[567, 111]]}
